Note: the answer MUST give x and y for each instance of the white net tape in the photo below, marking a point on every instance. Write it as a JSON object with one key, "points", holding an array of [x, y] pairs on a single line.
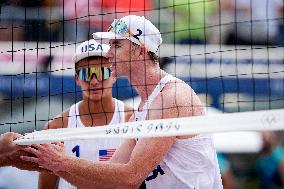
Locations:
{"points": [[245, 121]]}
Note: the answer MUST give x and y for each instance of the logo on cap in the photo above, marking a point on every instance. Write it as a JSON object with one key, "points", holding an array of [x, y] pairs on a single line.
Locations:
{"points": [[91, 47], [119, 26]]}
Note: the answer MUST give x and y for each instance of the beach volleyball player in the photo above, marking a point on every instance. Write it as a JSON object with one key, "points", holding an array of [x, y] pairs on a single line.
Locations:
{"points": [[95, 76], [186, 162]]}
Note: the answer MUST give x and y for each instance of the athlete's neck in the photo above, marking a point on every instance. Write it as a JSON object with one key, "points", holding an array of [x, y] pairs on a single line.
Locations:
{"points": [[146, 81], [96, 107]]}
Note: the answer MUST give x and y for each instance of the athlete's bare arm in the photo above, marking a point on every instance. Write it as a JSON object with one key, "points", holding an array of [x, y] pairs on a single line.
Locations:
{"points": [[49, 180], [146, 154], [128, 112], [127, 146], [123, 153]]}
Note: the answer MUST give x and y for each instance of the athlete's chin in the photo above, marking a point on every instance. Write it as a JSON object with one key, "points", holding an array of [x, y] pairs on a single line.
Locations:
{"points": [[95, 98], [95, 94]]}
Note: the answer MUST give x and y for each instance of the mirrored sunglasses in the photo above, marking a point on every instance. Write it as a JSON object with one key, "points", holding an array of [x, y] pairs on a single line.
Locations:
{"points": [[86, 74]]}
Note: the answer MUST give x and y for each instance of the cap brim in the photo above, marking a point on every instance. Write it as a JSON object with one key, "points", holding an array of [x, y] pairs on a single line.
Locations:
{"points": [[105, 36], [79, 57]]}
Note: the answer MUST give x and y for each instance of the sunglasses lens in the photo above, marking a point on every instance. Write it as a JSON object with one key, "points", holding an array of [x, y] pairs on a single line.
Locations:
{"points": [[106, 72], [86, 74], [82, 75]]}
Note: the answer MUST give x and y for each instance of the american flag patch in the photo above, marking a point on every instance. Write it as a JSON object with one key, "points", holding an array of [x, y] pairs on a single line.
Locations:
{"points": [[106, 154]]}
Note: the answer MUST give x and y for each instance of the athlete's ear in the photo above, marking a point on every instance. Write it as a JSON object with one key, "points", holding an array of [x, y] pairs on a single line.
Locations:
{"points": [[143, 53], [113, 79], [113, 73], [135, 50]]}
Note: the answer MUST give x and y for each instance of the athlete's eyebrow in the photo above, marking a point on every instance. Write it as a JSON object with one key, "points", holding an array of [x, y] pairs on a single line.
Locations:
{"points": [[114, 42]]}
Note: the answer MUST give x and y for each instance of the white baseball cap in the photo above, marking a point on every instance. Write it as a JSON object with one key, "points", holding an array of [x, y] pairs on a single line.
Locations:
{"points": [[137, 29], [90, 48]]}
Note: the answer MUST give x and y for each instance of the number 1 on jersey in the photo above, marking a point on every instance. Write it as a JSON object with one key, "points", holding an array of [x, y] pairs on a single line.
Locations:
{"points": [[76, 150]]}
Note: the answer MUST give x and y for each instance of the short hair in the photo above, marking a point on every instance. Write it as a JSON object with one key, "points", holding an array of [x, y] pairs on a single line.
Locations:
{"points": [[154, 57]]}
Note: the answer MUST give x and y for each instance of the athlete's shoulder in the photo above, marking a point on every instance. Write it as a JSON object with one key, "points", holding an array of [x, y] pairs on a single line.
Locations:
{"points": [[179, 96], [179, 92], [60, 121]]}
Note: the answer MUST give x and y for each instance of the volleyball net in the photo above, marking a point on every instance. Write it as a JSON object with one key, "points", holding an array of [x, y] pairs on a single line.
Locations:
{"points": [[233, 61]]}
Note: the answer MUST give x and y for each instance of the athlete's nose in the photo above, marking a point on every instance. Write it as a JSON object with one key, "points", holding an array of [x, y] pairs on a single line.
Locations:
{"points": [[94, 80]]}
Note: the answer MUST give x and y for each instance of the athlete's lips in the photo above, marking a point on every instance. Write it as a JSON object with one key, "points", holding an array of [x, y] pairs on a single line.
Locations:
{"points": [[96, 89]]}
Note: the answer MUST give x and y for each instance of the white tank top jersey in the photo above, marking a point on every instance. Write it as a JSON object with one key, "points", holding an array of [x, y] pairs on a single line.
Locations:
{"points": [[189, 164], [97, 150]]}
